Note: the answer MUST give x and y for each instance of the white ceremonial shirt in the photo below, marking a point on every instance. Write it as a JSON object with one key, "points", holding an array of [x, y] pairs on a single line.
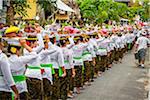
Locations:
{"points": [[77, 54], [6, 79], [68, 57], [30, 72], [57, 58], [142, 42], [45, 59], [17, 66]]}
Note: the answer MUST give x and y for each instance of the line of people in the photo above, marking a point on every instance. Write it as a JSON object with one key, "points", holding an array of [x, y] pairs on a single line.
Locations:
{"points": [[41, 67]]}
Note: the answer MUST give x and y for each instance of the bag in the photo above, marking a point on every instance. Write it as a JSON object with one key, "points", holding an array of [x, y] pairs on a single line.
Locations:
{"points": [[129, 46], [136, 55]]}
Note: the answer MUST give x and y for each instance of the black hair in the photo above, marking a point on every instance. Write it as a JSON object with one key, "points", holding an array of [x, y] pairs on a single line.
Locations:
{"points": [[76, 41], [94, 36], [45, 41], [27, 23], [62, 42], [58, 44], [32, 36], [88, 38], [119, 34], [81, 38], [10, 46], [52, 40]]}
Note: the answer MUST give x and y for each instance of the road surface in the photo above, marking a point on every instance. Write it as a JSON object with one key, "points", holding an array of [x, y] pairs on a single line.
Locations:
{"points": [[123, 82]]}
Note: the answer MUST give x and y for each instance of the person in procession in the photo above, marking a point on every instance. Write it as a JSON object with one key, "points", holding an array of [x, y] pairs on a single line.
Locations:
{"points": [[7, 84], [68, 61], [17, 61], [92, 60], [47, 68], [85, 58], [96, 60], [57, 59], [78, 63], [17, 65], [34, 72]]}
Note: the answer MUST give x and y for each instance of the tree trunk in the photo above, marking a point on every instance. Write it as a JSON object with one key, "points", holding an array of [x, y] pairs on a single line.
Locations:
{"points": [[10, 14]]}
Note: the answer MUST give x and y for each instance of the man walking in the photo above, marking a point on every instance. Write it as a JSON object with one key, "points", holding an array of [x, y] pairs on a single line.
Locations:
{"points": [[141, 46]]}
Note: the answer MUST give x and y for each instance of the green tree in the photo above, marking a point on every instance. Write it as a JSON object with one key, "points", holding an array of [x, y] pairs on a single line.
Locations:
{"points": [[47, 5], [100, 10], [140, 7], [144, 12], [16, 7]]}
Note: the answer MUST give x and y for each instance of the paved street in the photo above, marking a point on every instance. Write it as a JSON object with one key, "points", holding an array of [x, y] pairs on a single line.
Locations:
{"points": [[123, 82]]}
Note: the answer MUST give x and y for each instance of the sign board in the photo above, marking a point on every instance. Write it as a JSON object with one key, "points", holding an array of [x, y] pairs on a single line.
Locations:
{"points": [[61, 17]]}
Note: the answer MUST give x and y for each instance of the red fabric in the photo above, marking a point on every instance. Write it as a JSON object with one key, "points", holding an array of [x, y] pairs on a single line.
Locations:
{"points": [[71, 30], [104, 32], [28, 43], [42, 71]]}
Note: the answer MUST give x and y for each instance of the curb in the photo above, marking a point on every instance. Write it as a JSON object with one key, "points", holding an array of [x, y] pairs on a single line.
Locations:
{"points": [[148, 87], [148, 74]]}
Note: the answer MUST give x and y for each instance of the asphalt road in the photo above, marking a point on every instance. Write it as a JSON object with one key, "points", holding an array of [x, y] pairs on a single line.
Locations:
{"points": [[123, 82]]}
